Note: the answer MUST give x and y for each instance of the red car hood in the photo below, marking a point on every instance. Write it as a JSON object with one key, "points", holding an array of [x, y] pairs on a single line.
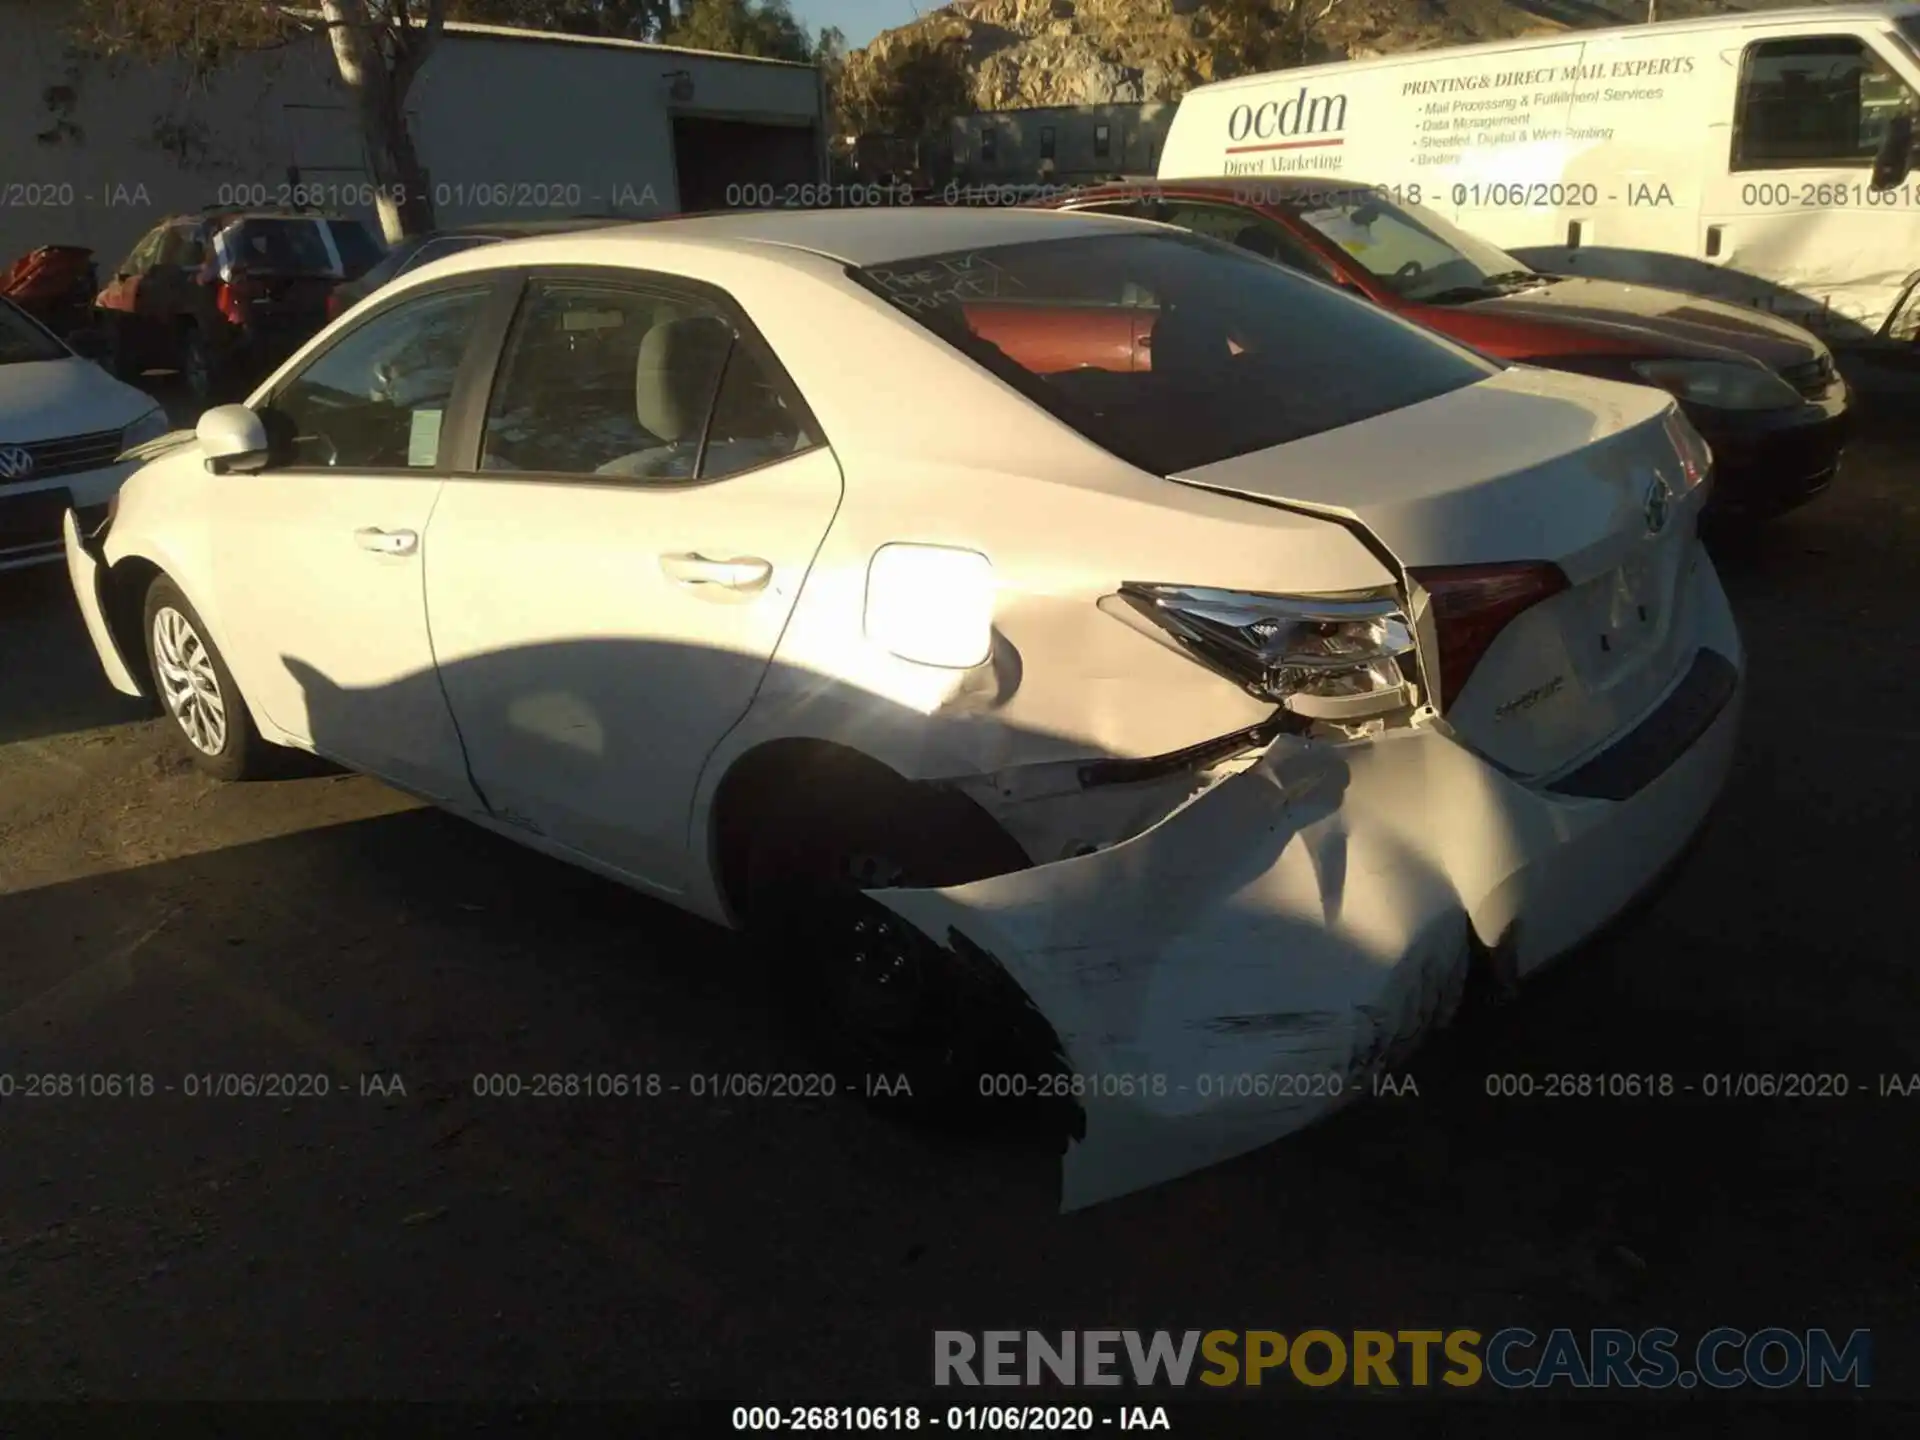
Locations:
{"points": [[1676, 322]]}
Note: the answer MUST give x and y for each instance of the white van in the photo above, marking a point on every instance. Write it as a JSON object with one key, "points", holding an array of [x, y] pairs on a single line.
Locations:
{"points": [[1762, 158]]}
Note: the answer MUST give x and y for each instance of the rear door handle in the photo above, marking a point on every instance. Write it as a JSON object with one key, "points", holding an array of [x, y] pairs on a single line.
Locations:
{"points": [[1715, 234], [746, 573], [386, 542]]}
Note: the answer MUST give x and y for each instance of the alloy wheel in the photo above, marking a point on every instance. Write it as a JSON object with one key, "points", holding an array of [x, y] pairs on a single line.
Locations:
{"points": [[189, 686]]}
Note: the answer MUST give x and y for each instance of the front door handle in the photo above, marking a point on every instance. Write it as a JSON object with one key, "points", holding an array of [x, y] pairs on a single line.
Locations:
{"points": [[387, 542], [745, 573]]}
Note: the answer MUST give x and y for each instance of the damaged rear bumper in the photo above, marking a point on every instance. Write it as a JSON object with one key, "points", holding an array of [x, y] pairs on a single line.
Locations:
{"points": [[1246, 965]]}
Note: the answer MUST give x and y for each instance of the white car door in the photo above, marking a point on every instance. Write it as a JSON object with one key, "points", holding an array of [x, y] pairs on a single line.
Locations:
{"points": [[607, 589], [318, 560]]}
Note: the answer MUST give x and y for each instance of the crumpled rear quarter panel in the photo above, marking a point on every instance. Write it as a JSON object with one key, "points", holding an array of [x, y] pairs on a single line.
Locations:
{"points": [[1264, 938]]}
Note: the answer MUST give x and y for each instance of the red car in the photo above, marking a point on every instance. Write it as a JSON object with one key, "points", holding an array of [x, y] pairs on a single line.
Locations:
{"points": [[1763, 392], [224, 296]]}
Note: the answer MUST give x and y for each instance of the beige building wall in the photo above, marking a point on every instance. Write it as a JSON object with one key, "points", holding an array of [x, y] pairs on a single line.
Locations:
{"points": [[94, 152]]}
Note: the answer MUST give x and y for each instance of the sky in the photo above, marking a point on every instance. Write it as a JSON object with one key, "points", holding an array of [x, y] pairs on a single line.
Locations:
{"points": [[859, 20]]}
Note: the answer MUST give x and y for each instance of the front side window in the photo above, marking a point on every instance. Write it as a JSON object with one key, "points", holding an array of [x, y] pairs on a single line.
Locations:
{"points": [[439, 248], [22, 339], [1415, 253], [375, 399], [637, 383], [1244, 355], [1812, 101]]}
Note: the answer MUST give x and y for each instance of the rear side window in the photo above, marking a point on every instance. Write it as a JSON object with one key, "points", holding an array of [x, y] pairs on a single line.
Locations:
{"points": [[359, 251], [1242, 355], [637, 384]]}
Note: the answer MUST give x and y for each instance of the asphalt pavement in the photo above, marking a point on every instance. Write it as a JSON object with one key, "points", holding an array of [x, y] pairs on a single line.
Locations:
{"points": [[388, 1231]]}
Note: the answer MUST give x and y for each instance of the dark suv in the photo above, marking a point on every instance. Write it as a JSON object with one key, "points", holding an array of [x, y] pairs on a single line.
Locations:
{"points": [[222, 297]]}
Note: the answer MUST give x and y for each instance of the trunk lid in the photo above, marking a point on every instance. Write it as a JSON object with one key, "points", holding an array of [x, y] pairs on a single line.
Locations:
{"points": [[1528, 466]]}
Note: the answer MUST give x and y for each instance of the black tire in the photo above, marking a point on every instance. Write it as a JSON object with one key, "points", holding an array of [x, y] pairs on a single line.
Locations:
{"points": [[956, 1018], [240, 753]]}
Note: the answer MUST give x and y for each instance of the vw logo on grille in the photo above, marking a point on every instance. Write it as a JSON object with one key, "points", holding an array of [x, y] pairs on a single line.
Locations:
{"points": [[16, 462], [1659, 504]]}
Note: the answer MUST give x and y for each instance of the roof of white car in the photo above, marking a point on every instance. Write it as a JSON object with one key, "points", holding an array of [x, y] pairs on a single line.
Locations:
{"points": [[853, 236]]}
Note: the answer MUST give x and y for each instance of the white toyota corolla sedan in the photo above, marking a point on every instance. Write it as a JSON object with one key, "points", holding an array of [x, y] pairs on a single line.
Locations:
{"points": [[1102, 664], [64, 424]]}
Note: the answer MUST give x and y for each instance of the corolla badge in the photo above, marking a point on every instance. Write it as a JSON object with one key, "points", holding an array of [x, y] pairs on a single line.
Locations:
{"points": [[1658, 505], [16, 462]]}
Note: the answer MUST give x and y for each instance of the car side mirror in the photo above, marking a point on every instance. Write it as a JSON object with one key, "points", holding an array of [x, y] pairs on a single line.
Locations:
{"points": [[233, 438], [1895, 159]]}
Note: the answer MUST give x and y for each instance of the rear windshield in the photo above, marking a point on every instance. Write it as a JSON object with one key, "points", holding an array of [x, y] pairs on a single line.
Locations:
{"points": [[286, 247], [22, 340], [359, 251], [1173, 351]]}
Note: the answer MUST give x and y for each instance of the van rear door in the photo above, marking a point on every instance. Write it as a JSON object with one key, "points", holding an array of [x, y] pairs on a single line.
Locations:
{"points": [[1789, 218]]}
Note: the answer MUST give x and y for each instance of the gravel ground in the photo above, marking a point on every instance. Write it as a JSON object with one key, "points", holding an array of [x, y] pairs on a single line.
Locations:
{"points": [[431, 1244]]}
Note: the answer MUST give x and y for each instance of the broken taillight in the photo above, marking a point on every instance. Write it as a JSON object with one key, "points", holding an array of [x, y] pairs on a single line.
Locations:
{"points": [[1323, 657], [1472, 604]]}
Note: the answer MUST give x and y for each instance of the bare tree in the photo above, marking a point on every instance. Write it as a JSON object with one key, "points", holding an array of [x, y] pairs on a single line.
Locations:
{"points": [[378, 47]]}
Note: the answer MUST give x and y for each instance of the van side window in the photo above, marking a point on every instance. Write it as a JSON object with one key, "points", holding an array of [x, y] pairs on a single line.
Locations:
{"points": [[1813, 101]]}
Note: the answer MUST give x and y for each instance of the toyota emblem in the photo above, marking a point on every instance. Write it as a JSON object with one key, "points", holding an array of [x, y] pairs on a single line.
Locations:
{"points": [[1659, 504], [16, 462]]}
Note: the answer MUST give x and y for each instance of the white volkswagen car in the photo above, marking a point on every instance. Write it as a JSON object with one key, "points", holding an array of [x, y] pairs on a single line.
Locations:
{"points": [[64, 424], [1100, 663]]}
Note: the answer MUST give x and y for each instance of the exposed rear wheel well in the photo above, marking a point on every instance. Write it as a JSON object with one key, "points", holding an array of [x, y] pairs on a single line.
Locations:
{"points": [[833, 792]]}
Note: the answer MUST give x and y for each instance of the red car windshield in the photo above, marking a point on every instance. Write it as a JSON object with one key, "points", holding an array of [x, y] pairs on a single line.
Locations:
{"points": [[1418, 255]]}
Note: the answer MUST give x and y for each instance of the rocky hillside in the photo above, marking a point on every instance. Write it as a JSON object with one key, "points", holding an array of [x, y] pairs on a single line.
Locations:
{"points": [[1017, 53]]}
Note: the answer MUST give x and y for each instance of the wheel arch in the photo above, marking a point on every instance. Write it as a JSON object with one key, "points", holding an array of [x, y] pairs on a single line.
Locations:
{"points": [[124, 602], [778, 778], [128, 578]]}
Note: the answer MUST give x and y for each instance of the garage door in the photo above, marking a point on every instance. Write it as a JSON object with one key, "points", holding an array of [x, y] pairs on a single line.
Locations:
{"points": [[710, 156]]}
